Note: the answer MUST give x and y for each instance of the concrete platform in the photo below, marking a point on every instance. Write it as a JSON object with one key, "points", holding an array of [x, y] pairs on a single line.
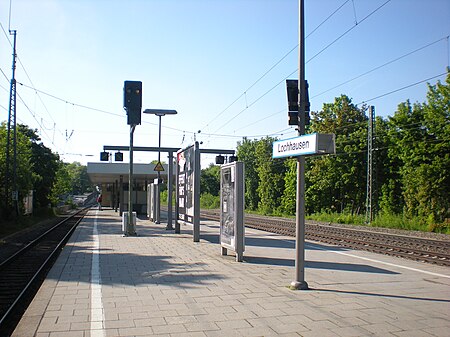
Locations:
{"points": [[163, 284]]}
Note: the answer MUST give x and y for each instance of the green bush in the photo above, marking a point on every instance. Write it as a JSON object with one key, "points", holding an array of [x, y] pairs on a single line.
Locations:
{"points": [[209, 201], [385, 220], [399, 221], [164, 194]]}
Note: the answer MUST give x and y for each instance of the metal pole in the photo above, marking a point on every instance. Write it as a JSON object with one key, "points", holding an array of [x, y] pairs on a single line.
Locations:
{"points": [[11, 123], [130, 227], [369, 212], [158, 199], [196, 193], [121, 195], [13, 103], [169, 190], [299, 283], [177, 196]]}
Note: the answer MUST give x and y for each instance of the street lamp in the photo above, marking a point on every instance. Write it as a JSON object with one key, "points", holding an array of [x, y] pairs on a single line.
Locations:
{"points": [[160, 113]]}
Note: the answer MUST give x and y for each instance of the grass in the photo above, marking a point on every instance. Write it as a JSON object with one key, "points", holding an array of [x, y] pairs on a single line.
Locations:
{"points": [[22, 222], [396, 221]]}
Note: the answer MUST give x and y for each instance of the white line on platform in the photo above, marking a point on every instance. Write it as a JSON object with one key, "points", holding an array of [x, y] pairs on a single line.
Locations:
{"points": [[391, 264], [97, 311], [376, 261], [355, 256]]}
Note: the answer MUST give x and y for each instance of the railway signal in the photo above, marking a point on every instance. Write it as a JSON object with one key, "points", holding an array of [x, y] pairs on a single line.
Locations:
{"points": [[104, 156], [118, 156], [132, 101], [292, 95]]}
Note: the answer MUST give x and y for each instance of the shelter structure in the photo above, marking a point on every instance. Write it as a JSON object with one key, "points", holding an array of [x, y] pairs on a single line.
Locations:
{"points": [[112, 180]]}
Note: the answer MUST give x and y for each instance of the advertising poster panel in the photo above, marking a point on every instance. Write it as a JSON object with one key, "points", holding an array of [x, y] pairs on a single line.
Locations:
{"points": [[188, 188], [232, 231], [227, 218], [185, 160]]}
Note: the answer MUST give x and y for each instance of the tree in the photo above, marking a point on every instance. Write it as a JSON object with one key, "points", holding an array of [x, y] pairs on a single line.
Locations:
{"points": [[420, 135], [388, 197], [271, 177], [246, 152], [79, 179], [289, 198], [24, 174], [44, 164], [62, 184], [210, 180], [338, 182]]}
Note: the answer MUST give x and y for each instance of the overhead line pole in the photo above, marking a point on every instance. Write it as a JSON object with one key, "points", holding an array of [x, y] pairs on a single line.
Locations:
{"points": [[12, 122], [369, 193], [299, 283]]}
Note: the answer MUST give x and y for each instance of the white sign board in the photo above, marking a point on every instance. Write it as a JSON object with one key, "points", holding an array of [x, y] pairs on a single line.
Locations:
{"points": [[315, 143]]}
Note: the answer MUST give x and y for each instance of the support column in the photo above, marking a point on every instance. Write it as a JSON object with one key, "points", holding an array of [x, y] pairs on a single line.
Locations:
{"points": [[170, 191]]}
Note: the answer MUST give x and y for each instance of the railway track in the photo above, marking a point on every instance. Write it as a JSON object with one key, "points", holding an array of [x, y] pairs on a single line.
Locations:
{"points": [[410, 247], [23, 270]]}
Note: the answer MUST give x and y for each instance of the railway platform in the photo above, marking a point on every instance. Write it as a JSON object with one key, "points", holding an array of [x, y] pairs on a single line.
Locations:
{"points": [[163, 284]]}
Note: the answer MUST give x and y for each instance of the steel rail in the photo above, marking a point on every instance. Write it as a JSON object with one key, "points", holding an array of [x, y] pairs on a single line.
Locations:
{"points": [[411, 247], [11, 308]]}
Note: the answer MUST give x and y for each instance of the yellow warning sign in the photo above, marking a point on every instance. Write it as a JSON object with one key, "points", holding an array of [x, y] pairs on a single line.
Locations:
{"points": [[159, 167]]}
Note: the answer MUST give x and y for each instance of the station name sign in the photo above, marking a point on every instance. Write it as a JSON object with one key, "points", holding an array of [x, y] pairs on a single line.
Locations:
{"points": [[312, 144]]}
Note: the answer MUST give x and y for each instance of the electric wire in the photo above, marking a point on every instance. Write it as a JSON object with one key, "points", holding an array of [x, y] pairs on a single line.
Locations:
{"points": [[272, 67], [6, 77], [255, 101], [313, 57], [402, 88], [260, 120], [259, 98], [34, 116], [348, 30], [324, 21], [26, 73], [380, 66], [94, 109], [4, 88], [212, 134]]}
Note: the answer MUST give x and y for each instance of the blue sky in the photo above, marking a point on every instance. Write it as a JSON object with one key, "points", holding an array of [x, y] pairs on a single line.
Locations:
{"points": [[200, 56]]}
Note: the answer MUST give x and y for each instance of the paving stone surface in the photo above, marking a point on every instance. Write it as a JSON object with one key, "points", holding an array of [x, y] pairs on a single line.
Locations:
{"points": [[163, 284]]}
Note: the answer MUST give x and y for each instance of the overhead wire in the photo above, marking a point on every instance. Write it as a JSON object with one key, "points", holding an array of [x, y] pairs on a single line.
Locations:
{"points": [[274, 66], [260, 120], [25, 71], [92, 108], [402, 88], [309, 60], [349, 30], [381, 66], [120, 115], [214, 133], [244, 93], [6, 77], [34, 116]]}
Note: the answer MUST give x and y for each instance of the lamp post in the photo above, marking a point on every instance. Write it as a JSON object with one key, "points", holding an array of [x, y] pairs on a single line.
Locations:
{"points": [[160, 113]]}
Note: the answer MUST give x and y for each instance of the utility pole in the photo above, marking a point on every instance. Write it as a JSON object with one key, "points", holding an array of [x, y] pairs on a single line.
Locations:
{"points": [[11, 192], [299, 283], [369, 211]]}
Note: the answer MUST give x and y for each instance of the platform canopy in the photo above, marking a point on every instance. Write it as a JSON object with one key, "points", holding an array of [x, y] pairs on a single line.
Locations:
{"points": [[108, 173]]}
